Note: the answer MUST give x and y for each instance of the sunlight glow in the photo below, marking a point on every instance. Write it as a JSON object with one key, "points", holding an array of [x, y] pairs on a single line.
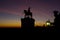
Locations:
{"points": [[48, 23]]}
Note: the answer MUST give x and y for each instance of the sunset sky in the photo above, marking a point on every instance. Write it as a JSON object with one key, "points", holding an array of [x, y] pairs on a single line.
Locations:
{"points": [[11, 11]]}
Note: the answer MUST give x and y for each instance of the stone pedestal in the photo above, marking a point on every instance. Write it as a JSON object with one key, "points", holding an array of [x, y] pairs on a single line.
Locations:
{"points": [[27, 22]]}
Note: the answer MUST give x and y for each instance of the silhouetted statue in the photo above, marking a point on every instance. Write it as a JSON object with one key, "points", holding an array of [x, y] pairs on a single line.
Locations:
{"points": [[57, 19], [27, 23], [28, 13]]}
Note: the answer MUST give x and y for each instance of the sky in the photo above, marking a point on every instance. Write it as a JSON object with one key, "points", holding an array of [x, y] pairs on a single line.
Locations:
{"points": [[11, 11]]}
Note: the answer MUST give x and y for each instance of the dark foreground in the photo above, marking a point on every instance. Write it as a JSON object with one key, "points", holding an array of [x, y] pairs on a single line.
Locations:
{"points": [[35, 29]]}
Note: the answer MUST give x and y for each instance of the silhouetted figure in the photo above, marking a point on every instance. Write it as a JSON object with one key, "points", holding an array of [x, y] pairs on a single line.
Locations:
{"points": [[28, 13], [27, 23], [57, 19]]}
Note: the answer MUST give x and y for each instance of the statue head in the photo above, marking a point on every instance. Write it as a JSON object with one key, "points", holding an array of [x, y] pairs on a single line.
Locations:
{"points": [[55, 13]]}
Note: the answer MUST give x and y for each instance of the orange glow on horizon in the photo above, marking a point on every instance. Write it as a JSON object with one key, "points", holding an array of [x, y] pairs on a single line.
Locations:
{"points": [[14, 23], [39, 23], [10, 23]]}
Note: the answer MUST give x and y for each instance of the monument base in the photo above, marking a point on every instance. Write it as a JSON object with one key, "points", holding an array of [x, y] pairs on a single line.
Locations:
{"points": [[27, 22]]}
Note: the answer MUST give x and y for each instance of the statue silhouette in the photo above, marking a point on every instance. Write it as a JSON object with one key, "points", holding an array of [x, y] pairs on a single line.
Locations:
{"points": [[57, 19], [27, 23], [28, 13], [56, 16]]}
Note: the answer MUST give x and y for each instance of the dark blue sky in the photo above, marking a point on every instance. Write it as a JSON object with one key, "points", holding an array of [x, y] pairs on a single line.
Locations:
{"points": [[42, 9]]}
